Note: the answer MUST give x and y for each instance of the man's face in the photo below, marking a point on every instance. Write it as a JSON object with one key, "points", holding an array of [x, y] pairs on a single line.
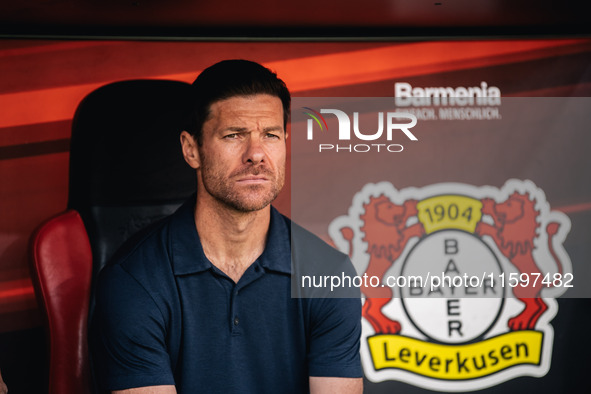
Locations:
{"points": [[242, 157]]}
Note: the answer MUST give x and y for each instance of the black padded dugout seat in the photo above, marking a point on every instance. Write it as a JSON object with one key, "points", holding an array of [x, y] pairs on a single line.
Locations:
{"points": [[126, 172], [126, 165]]}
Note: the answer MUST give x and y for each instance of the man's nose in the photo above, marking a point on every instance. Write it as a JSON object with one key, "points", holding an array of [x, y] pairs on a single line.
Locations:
{"points": [[254, 151]]}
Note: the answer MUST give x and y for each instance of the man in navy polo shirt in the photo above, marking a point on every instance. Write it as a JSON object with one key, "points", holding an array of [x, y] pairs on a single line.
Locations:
{"points": [[202, 302]]}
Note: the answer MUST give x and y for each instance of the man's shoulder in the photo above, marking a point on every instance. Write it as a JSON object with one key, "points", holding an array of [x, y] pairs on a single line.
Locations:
{"points": [[314, 259], [307, 244], [139, 272], [147, 245], [301, 236], [153, 244], [145, 258]]}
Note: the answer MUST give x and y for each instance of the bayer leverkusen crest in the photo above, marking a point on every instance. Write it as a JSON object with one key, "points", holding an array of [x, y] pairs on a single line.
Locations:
{"points": [[468, 277]]}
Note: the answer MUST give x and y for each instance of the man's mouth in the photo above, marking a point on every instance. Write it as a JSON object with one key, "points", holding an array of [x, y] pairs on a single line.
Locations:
{"points": [[253, 179], [253, 175]]}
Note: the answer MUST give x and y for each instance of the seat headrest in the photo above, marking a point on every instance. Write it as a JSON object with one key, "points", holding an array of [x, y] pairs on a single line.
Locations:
{"points": [[125, 145], [126, 164]]}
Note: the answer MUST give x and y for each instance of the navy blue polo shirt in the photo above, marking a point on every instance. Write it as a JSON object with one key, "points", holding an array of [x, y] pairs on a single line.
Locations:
{"points": [[166, 316]]}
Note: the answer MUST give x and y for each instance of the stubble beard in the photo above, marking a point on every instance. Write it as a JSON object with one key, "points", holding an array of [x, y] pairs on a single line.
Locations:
{"points": [[246, 198]]}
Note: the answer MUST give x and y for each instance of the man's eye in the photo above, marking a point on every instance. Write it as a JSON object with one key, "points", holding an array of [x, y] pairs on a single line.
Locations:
{"points": [[231, 136], [272, 135]]}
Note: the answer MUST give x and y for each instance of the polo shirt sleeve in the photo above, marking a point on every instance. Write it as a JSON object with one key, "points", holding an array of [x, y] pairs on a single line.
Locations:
{"points": [[334, 338], [128, 335]]}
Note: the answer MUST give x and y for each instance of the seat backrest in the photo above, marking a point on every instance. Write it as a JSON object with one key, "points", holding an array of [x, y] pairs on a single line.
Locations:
{"points": [[126, 164], [61, 263], [126, 171]]}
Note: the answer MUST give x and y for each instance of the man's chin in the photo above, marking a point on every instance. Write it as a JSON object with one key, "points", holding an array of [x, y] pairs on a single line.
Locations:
{"points": [[250, 207], [250, 203]]}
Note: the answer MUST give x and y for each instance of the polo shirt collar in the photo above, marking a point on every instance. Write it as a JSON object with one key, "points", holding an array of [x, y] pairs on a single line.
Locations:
{"points": [[187, 252], [277, 253]]}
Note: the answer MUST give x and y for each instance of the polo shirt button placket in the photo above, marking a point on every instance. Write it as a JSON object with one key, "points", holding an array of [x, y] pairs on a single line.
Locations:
{"points": [[235, 321]]}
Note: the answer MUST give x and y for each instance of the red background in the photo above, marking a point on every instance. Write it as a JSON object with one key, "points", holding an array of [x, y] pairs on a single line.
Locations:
{"points": [[42, 81]]}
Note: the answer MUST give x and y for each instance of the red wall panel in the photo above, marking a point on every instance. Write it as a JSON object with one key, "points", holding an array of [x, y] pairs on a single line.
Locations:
{"points": [[41, 83]]}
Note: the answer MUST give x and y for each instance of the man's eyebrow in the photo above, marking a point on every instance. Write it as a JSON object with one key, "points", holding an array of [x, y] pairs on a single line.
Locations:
{"points": [[236, 128], [273, 128], [244, 129]]}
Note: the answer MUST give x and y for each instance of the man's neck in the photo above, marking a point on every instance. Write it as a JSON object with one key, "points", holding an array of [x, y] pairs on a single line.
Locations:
{"points": [[231, 240]]}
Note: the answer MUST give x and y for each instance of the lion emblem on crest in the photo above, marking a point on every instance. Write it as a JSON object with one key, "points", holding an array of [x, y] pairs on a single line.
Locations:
{"points": [[514, 230], [386, 234]]}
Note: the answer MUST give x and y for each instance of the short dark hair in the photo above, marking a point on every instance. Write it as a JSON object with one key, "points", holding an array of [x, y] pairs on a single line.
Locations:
{"points": [[231, 78]]}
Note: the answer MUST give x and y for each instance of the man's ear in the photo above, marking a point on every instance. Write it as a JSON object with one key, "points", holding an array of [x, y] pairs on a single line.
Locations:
{"points": [[190, 151]]}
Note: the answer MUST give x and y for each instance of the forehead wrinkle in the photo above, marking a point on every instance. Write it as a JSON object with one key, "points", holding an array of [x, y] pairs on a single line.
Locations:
{"points": [[240, 116], [237, 128], [257, 125]]}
